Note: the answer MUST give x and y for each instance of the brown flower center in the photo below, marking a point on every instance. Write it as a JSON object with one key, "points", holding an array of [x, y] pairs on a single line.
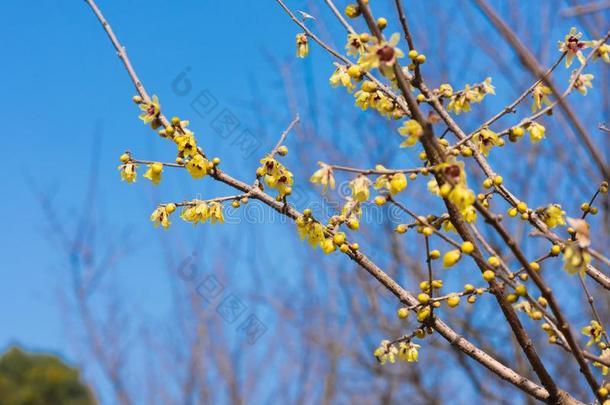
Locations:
{"points": [[385, 53], [453, 171], [574, 44]]}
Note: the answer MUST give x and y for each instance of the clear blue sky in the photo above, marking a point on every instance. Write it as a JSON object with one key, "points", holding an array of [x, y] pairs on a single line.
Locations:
{"points": [[62, 80], [62, 84]]}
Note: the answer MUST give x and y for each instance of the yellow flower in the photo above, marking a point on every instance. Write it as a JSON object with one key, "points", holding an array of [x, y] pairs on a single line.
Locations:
{"points": [[351, 211], [324, 176], [412, 130], [524, 306], [540, 96], [408, 351], [189, 214], [327, 245], [552, 215], [394, 183], [128, 172], [582, 231], [451, 258], [151, 112], [214, 212], [485, 140], [386, 352], [484, 89], [606, 357], [276, 175], [455, 190], [302, 45], [197, 166], [154, 172], [160, 217], [445, 90], [594, 330], [602, 52], [582, 82], [311, 230], [360, 188], [398, 182], [340, 76], [363, 99], [536, 132], [186, 144], [460, 101], [469, 213], [433, 187], [573, 46], [575, 258], [354, 45], [381, 54], [198, 212], [461, 196], [382, 103]]}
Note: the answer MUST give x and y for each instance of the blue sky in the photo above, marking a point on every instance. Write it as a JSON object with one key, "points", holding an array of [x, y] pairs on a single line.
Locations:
{"points": [[63, 85]]}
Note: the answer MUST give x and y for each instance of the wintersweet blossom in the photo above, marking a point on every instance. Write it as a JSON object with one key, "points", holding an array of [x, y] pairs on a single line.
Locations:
{"points": [[412, 130], [382, 53], [594, 330], [160, 216], [552, 215], [128, 172], [302, 45], [582, 82], [573, 46], [154, 172], [540, 95], [536, 132], [151, 112], [360, 188], [324, 176], [394, 182]]}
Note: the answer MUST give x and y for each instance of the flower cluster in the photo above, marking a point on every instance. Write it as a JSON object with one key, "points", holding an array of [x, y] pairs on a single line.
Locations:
{"points": [[527, 308], [393, 182], [341, 77], [276, 176], [319, 235], [455, 189], [201, 211], [460, 101], [369, 96], [403, 350]]}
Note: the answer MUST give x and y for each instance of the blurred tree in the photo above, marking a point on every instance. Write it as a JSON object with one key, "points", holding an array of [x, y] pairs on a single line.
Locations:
{"points": [[31, 379]]}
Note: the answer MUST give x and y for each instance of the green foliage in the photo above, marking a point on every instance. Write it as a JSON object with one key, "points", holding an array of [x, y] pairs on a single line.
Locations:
{"points": [[32, 379]]}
